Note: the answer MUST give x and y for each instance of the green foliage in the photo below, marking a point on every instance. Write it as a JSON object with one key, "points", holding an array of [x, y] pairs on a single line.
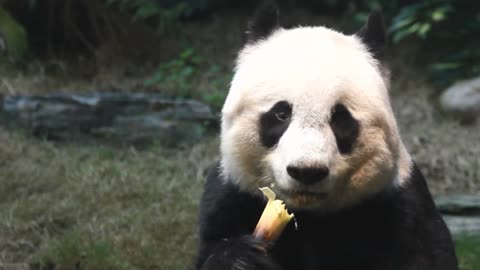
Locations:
{"points": [[361, 9], [417, 19], [178, 73], [448, 29], [451, 27], [149, 8], [217, 92], [14, 35], [167, 17], [58, 27], [185, 77]]}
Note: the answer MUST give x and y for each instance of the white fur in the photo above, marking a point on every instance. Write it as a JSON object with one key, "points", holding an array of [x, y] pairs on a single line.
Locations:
{"points": [[313, 68], [302, 147]]}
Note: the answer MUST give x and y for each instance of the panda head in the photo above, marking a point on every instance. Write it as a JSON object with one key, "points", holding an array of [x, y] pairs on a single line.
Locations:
{"points": [[308, 114]]}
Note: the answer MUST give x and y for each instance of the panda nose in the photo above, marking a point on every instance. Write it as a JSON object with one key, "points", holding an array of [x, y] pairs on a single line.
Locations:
{"points": [[308, 175]]}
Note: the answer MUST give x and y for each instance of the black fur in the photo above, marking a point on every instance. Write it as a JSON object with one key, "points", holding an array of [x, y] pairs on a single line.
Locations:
{"points": [[265, 21], [274, 123], [245, 253], [374, 34], [345, 128], [308, 175], [399, 229]]}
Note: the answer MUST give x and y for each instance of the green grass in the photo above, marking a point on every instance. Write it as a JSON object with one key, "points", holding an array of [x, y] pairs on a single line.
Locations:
{"points": [[97, 207], [468, 252]]}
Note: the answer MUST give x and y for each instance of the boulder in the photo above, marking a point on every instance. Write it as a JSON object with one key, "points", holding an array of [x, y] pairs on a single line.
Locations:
{"points": [[460, 225], [462, 98], [461, 213], [136, 118], [459, 204]]}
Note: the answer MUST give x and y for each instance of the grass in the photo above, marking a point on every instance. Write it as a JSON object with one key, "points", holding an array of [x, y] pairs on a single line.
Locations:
{"points": [[468, 252], [95, 207]]}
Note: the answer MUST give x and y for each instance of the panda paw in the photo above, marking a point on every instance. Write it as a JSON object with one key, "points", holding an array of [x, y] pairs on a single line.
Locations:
{"points": [[243, 253]]}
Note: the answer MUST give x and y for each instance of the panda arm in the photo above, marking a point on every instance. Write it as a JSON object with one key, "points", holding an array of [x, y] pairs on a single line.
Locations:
{"points": [[227, 220]]}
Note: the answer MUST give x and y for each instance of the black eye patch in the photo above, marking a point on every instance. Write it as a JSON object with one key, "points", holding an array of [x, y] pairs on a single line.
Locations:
{"points": [[274, 123], [345, 128]]}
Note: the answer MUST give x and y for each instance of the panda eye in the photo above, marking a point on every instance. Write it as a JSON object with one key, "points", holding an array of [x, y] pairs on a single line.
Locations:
{"points": [[282, 116], [282, 111], [345, 128], [274, 122]]}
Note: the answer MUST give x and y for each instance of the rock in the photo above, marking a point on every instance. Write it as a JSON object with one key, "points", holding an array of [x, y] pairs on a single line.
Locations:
{"points": [[459, 204], [462, 98], [461, 213], [459, 225], [136, 118]]}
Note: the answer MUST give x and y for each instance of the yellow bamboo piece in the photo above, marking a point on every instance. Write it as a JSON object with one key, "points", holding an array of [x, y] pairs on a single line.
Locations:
{"points": [[274, 218]]}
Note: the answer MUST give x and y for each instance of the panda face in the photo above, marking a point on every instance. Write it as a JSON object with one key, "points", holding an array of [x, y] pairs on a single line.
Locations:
{"points": [[308, 114]]}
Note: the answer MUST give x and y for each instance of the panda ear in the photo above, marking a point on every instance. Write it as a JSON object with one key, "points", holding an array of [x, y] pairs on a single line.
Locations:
{"points": [[374, 34], [264, 22]]}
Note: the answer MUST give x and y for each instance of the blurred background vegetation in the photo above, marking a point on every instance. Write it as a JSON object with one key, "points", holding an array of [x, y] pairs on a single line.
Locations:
{"points": [[34, 28], [98, 207]]}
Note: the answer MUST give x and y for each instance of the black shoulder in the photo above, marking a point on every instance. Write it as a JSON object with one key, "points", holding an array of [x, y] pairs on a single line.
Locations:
{"points": [[425, 222]]}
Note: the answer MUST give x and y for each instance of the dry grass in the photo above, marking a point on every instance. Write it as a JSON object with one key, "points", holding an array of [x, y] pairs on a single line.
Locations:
{"points": [[95, 207], [98, 207]]}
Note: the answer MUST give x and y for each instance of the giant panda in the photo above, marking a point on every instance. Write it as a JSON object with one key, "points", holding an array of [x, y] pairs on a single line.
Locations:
{"points": [[308, 114]]}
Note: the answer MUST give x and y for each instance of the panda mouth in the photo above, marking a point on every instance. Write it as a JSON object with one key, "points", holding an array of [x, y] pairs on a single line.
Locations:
{"points": [[299, 199], [305, 194]]}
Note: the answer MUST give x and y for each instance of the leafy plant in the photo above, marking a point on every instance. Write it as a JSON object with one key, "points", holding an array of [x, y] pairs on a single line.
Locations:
{"points": [[62, 27], [185, 77], [452, 27], [446, 28], [178, 74], [167, 18], [217, 92], [418, 19]]}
